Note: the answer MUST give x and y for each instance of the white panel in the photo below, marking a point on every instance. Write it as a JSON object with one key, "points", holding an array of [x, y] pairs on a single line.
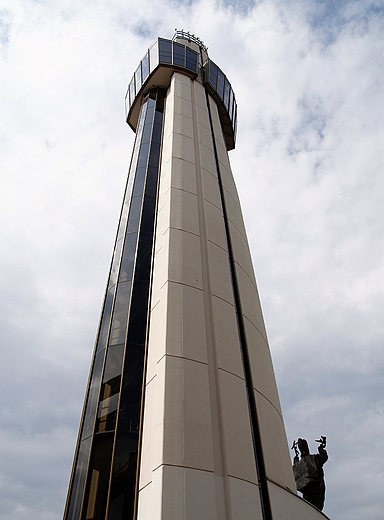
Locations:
{"points": [[186, 335], [261, 364], [184, 213], [278, 463], [215, 225], [240, 461], [183, 175], [220, 278], [185, 258], [228, 351], [244, 498]]}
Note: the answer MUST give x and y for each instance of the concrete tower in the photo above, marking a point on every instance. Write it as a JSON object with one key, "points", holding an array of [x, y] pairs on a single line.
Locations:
{"points": [[182, 418]]}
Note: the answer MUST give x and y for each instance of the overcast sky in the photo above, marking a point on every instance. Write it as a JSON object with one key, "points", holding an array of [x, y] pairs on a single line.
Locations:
{"points": [[308, 78]]}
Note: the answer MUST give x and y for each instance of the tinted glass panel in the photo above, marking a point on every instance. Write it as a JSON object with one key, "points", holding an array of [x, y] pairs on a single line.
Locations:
{"points": [[147, 130], [120, 314], [115, 263], [143, 262], [138, 78], [128, 259], [98, 477], [213, 71], [191, 59], [178, 54], [153, 57], [132, 92], [147, 220], [151, 184], [226, 93], [220, 83], [138, 317], [230, 106], [145, 67], [134, 215], [139, 181], [93, 396], [110, 389], [129, 411], [143, 155], [79, 480], [165, 51], [105, 320], [124, 477]]}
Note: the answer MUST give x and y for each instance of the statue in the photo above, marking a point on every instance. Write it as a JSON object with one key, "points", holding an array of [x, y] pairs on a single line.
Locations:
{"points": [[308, 471]]}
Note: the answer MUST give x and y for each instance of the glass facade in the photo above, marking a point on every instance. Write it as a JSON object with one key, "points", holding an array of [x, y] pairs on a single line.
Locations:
{"points": [[162, 52], [169, 53], [103, 482]]}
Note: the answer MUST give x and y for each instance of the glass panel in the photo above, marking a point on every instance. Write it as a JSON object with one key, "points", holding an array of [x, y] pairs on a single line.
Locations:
{"points": [[129, 411], [154, 56], [123, 220], [143, 155], [93, 396], [128, 259], [120, 314], [220, 83], [105, 320], [230, 106], [191, 59], [134, 215], [226, 93], [146, 137], [132, 93], [156, 133], [138, 316], [143, 261], [165, 51], [115, 263], [110, 389], [124, 477], [151, 184], [139, 181], [125, 459], [138, 78], [98, 477], [148, 215], [77, 489], [145, 67], [178, 54], [213, 71]]}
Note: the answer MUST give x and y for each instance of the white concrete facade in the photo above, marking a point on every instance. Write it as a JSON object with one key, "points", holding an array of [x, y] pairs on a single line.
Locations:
{"points": [[197, 454]]}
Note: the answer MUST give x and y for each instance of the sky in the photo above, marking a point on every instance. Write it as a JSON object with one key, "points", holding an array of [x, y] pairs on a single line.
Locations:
{"points": [[308, 77]]}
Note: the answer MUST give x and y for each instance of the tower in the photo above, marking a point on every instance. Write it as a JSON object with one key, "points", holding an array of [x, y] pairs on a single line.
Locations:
{"points": [[181, 416]]}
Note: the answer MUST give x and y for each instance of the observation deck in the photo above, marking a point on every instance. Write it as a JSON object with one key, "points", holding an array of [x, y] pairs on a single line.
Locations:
{"points": [[187, 54]]}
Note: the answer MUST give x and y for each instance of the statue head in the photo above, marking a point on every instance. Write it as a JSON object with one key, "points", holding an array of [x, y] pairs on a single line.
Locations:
{"points": [[303, 447]]}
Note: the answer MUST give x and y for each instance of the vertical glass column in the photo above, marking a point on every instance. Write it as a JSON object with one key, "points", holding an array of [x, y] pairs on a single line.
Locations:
{"points": [[103, 481]]}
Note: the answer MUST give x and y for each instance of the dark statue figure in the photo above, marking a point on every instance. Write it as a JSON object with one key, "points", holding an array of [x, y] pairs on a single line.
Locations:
{"points": [[308, 471]]}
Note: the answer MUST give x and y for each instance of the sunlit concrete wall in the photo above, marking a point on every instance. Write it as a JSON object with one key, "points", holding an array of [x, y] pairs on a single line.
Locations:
{"points": [[197, 457]]}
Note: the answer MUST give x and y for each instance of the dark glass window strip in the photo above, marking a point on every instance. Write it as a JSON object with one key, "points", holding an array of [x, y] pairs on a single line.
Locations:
{"points": [[115, 404], [83, 450], [122, 492]]}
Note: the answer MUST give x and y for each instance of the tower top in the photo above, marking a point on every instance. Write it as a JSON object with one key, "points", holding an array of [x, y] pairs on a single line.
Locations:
{"points": [[186, 54], [182, 35]]}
